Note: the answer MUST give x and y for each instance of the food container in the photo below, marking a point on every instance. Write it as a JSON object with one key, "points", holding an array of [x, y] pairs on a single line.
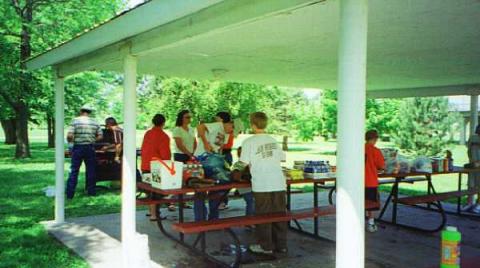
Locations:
{"points": [[294, 174]]}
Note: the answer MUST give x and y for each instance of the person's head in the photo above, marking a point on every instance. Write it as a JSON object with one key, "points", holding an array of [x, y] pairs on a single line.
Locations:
{"points": [[86, 110], [258, 121], [223, 117], [158, 120], [183, 118], [239, 151], [110, 122], [477, 130], [371, 136]]}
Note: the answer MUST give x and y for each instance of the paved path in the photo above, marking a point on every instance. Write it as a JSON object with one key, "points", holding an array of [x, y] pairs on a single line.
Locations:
{"points": [[96, 239]]}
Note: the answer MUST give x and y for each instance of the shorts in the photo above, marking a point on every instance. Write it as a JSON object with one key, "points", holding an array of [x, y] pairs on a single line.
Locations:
{"points": [[371, 194]]}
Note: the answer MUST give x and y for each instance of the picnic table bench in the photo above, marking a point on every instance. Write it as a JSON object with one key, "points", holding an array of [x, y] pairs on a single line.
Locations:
{"points": [[226, 224]]}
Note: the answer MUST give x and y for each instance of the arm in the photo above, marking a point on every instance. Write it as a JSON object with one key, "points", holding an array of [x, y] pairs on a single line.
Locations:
{"points": [[380, 161], [71, 130], [202, 130], [181, 146], [99, 136]]}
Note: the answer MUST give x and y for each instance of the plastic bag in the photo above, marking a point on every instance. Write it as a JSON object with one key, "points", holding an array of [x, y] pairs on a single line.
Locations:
{"points": [[405, 165], [422, 164], [214, 167], [392, 166]]}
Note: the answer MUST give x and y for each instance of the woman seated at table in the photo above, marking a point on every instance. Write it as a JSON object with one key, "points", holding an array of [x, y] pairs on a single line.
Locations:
{"points": [[156, 144], [184, 136], [113, 135]]}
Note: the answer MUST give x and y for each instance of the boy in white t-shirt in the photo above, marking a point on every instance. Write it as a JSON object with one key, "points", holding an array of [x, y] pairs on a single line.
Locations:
{"points": [[263, 155]]}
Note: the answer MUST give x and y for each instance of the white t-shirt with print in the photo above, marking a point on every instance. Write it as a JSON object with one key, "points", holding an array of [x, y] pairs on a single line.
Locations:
{"points": [[215, 135], [187, 136], [264, 156]]}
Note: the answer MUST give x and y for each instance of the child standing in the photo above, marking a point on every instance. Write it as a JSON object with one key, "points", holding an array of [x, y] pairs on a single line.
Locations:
{"points": [[263, 155], [374, 162]]}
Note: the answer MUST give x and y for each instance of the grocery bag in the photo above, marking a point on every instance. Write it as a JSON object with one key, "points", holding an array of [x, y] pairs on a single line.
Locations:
{"points": [[166, 174]]}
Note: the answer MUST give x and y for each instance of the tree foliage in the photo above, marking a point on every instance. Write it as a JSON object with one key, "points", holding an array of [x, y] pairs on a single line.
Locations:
{"points": [[28, 27], [424, 126]]}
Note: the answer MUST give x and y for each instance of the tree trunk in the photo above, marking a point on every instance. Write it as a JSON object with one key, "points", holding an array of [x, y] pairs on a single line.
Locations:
{"points": [[9, 126], [23, 146], [285, 143], [21, 107], [50, 131]]}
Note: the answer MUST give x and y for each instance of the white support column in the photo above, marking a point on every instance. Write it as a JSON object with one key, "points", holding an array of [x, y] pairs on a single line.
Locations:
{"points": [[473, 113], [352, 65], [463, 131], [59, 150], [129, 159]]}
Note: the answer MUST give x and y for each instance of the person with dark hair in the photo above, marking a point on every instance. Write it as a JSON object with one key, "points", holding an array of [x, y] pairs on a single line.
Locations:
{"points": [[473, 146], [83, 133], [156, 144], [113, 135], [184, 136], [374, 162]]}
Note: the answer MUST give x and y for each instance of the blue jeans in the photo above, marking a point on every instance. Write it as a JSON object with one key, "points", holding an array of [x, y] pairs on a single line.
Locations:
{"points": [[250, 205], [82, 153], [200, 210]]}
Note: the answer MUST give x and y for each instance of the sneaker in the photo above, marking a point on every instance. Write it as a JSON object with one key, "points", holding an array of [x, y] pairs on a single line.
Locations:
{"points": [[467, 208], [222, 206], [372, 228], [476, 209], [257, 249]]}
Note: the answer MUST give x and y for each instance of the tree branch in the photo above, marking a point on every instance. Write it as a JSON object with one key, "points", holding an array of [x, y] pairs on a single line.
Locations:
{"points": [[9, 33], [8, 99], [17, 7], [37, 3]]}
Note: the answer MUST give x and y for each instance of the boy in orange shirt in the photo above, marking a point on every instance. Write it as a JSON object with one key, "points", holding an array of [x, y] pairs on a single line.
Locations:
{"points": [[374, 163]]}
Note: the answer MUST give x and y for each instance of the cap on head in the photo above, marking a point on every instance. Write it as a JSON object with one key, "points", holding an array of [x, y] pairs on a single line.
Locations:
{"points": [[86, 108]]}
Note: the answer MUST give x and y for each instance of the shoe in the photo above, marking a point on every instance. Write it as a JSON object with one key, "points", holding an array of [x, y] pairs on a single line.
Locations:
{"points": [[467, 208], [372, 228], [476, 209], [257, 249], [222, 206], [171, 207], [281, 250]]}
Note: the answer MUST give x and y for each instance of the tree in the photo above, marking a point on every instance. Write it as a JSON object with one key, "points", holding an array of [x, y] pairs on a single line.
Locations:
{"points": [[380, 114], [32, 26], [424, 125]]}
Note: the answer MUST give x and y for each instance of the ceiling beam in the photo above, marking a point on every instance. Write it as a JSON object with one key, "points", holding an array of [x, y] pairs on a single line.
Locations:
{"points": [[452, 90]]}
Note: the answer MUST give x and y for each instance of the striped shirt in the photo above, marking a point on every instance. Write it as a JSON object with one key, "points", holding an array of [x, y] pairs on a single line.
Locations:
{"points": [[84, 130]]}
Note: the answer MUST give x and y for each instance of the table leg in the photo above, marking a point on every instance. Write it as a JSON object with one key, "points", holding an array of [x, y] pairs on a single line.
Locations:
{"points": [[315, 205], [180, 213], [395, 196], [289, 192], [459, 199], [429, 191]]}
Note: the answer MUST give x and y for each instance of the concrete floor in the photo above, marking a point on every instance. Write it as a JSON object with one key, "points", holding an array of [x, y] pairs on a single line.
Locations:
{"points": [[390, 247]]}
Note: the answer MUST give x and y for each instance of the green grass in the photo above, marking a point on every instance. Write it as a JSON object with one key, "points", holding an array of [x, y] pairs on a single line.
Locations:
{"points": [[24, 242]]}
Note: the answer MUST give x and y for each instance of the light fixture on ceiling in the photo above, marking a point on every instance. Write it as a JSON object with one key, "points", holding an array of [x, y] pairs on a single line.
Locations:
{"points": [[219, 72]]}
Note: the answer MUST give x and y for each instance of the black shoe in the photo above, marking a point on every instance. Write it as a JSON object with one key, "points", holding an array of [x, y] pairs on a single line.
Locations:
{"points": [[92, 194]]}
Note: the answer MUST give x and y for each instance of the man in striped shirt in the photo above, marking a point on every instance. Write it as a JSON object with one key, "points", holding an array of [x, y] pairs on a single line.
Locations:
{"points": [[83, 132]]}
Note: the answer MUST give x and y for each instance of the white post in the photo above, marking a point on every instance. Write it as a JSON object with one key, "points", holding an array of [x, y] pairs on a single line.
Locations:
{"points": [[59, 150], [352, 65], [129, 158], [463, 131], [473, 113]]}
